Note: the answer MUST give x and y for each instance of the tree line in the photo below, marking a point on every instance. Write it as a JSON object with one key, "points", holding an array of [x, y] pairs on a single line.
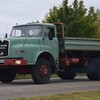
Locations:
{"points": [[78, 20]]}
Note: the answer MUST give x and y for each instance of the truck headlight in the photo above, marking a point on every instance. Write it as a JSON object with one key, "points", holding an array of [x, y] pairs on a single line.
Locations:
{"points": [[17, 62]]}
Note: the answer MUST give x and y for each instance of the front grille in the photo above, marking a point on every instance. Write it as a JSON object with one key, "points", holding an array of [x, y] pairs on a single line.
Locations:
{"points": [[4, 45]]}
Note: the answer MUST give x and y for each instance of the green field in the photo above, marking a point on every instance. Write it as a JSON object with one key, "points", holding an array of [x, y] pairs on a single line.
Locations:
{"points": [[94, 95]]}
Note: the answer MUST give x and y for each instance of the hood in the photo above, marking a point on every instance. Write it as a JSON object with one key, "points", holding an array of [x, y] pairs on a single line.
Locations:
{"points": [[17, 47]]}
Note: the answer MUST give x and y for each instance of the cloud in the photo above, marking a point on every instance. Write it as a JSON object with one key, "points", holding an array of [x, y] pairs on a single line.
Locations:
{"points": [[22, 11], [29, 8]]}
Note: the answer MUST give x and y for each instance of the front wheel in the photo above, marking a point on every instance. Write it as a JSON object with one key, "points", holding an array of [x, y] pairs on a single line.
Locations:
{"points": [[7, 75], [41, 72]]}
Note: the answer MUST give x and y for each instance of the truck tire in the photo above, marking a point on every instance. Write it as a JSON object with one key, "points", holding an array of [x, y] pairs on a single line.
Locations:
{"points": [[93, 69], [41, 72], [67, 74], [6, 76]]}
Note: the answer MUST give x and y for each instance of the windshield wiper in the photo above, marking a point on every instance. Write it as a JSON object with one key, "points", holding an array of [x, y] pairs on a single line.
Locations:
{"points": [[27, 34]]}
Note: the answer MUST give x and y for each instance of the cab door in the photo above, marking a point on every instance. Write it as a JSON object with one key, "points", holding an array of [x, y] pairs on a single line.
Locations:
{"points": [[50, 41]]}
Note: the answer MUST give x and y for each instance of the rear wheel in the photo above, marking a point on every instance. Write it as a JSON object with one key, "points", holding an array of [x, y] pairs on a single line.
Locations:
{"points": [[41, 72], [7, 75], [93, 69], [69, 73]]}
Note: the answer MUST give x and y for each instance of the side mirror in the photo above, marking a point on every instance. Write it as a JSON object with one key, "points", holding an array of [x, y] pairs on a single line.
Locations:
{"points": [[50, 36], [6, 35]]}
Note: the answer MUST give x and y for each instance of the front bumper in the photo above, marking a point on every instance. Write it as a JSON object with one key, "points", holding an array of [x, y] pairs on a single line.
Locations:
{"points": [[13, 62]]}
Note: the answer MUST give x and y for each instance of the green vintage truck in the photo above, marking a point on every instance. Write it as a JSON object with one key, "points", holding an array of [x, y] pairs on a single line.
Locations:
{"points": [[41, 49]]}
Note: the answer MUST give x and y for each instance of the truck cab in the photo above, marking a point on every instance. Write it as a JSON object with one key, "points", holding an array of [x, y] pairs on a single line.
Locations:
{"points": [[31, 48]]}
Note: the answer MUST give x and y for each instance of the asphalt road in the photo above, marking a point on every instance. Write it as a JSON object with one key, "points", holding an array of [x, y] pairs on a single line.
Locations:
{"points": [[27, 88]]}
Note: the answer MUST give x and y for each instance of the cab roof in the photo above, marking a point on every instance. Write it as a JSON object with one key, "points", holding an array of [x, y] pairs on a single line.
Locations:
{"points": [[30, 24]]}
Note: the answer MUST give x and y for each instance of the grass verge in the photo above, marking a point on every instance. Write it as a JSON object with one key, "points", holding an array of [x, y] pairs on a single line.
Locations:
{"points": [[28, 76], [94, 95]]}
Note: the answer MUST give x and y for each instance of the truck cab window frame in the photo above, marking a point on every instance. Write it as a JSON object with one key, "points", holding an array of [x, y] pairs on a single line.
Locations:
{"points": [[29, 30], [49, 31]]}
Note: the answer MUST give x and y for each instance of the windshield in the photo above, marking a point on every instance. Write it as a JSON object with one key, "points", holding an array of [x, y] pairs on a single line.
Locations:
{"points": [[23, 31]]}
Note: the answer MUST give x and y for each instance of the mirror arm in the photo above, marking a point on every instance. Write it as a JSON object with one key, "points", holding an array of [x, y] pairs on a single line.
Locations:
{"points": [[6, 35]]}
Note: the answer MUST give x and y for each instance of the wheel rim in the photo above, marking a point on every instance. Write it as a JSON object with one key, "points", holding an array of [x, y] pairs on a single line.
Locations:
{"points": [[43, 71]]}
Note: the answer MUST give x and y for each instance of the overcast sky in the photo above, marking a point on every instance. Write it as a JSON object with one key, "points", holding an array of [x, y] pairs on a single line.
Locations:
{"points": [[24, 11]]}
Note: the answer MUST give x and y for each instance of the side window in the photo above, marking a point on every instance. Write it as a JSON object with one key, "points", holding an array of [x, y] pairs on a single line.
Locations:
{"points": [[52, 32], [49, 31]]}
